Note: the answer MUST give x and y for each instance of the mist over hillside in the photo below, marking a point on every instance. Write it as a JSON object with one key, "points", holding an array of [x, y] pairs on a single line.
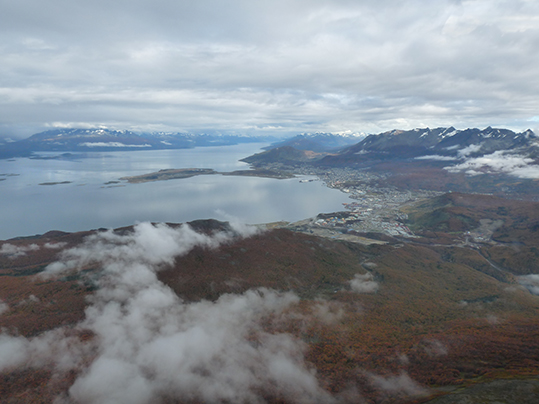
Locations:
{"points": [[216, 312]]}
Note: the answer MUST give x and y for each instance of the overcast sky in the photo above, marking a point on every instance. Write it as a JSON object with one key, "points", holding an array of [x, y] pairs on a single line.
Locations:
{"points": [[279, 66]]}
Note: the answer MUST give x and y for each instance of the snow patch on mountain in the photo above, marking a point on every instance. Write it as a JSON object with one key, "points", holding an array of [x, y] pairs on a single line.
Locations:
{"points": [[449, 133], [111, 144]]}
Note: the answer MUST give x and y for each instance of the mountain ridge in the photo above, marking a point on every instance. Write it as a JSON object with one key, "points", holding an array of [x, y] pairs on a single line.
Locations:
{"points": [[84, 140], [443, 141], [320, 141]]}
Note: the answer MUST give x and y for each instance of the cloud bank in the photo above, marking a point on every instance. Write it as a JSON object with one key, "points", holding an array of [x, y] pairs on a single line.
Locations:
{"points": [[148, 345], [499, 162], [270, 66]]}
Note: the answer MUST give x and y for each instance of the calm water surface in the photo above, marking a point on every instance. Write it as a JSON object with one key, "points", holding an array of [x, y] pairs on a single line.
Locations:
{"points": [[87, 202]]}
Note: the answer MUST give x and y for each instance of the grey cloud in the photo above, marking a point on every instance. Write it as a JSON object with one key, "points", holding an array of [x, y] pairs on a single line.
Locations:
{"points": [[344, 65]]}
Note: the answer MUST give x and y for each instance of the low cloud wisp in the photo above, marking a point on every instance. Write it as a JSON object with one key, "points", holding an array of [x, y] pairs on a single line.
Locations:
{"points": [[149, 346], [530, 282], [364, 284], [13, 251], [499, 162]]}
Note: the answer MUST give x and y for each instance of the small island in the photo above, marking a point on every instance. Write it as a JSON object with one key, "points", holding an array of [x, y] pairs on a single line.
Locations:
{"points": [[56, 183]]}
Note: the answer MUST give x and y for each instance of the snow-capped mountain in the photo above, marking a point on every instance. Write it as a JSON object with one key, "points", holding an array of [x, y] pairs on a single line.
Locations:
{"points": [[446, 142], [84, 140], [470, 151]]}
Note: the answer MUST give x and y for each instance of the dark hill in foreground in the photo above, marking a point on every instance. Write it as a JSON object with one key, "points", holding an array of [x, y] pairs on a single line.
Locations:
{"points": [[380, 323]]}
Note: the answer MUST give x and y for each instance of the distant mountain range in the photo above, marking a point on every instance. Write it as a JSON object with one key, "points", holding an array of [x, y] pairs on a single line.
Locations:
{"points": [[497, 161], [320, 142], [84, 140], [445, 144], [448, 142]]}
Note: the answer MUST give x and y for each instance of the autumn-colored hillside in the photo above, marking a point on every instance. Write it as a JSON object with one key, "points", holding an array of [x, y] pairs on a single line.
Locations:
{"points": [[504, 231], [430, 174], [273, 316]]}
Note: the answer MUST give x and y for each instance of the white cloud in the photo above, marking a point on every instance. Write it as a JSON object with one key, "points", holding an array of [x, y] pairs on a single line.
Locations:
{"points": [[530, 282], [473, 148], [29, 300], [499, 162], [149, 345], [12, 351], [244, 229], [435, 348], [300, 66], [14, 251], [327, 312], [364, 283], [55, 246], [4, 307], [401, 383]]}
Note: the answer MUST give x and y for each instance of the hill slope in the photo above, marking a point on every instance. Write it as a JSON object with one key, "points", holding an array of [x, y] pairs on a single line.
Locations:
{"points": [[181, 309], [319, 142]]}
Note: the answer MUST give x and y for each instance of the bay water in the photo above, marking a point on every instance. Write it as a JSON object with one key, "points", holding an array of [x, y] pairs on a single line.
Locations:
{"points": [[87, 195]]}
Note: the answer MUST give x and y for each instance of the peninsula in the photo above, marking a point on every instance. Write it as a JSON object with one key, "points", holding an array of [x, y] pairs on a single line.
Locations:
{"points": [[173, 174]]}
